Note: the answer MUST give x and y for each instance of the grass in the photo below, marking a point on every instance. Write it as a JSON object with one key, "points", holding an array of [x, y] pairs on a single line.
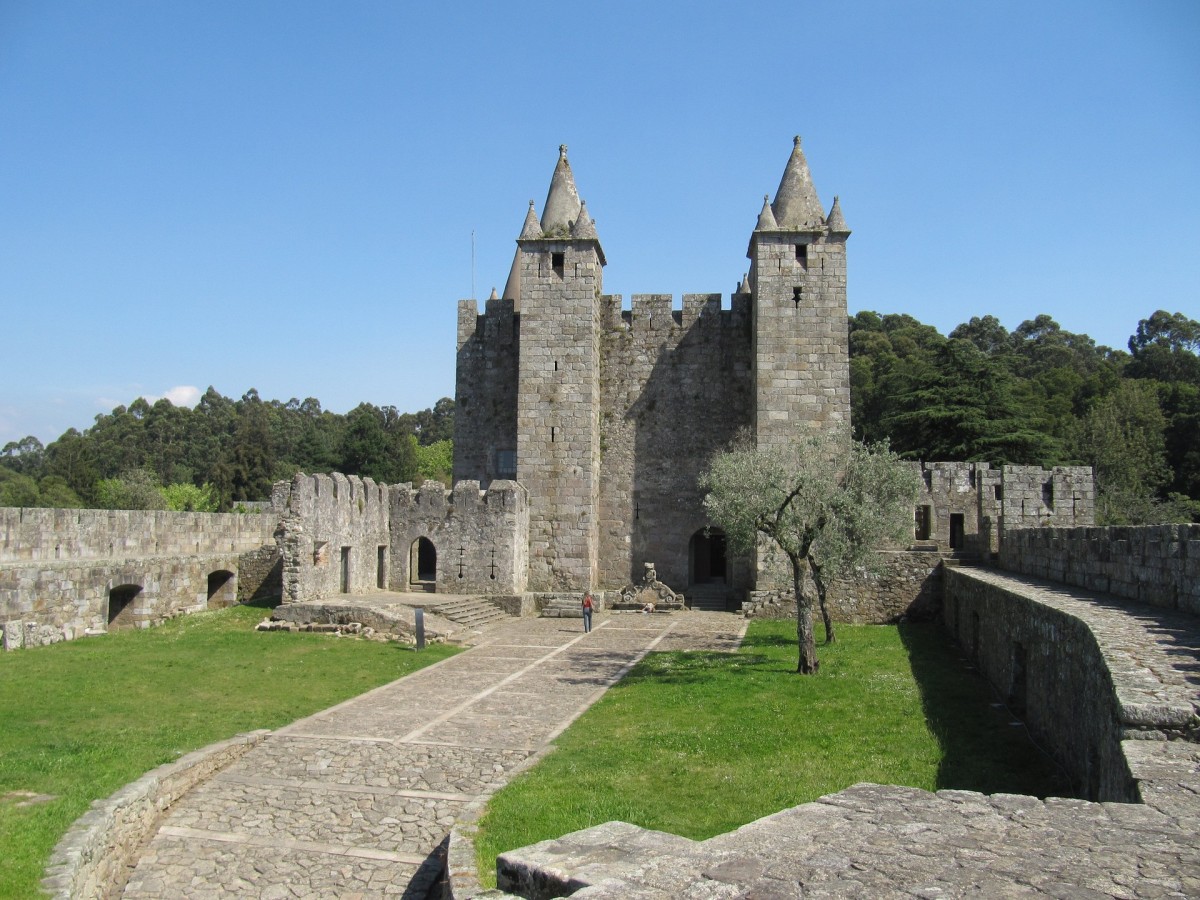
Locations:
{"points": [[700, 743], [78, 720]]}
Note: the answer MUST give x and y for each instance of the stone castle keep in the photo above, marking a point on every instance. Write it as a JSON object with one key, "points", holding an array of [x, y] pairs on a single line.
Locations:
{"points": [[581, 429]]}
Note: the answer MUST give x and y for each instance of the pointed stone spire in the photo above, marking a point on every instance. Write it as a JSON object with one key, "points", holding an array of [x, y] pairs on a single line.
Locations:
{"points": [[512, 287], [834, 220], [562, 200], [744, 287], [584, 228], [531, 230], [766, 218], [796, 205], [494, 295]]}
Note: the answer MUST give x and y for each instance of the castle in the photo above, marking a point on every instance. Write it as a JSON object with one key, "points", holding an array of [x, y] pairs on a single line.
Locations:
{"points": [[581, 429], [607, 416]]}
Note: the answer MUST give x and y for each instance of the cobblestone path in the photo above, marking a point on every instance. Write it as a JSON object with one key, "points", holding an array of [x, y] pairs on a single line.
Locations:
{"points": [[355, 801]]}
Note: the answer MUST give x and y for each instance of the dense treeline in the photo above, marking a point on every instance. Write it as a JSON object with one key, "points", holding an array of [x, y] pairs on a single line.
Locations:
{"points": [[1041, 395], [1036, 395], [221, 452]]}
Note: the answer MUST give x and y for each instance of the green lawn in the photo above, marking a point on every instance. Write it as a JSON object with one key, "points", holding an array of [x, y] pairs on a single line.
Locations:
{"points": [[700, 743], [78, 720]]}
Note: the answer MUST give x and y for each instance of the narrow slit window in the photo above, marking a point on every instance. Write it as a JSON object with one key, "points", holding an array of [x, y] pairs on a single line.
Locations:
{"points": [[552, 434]]}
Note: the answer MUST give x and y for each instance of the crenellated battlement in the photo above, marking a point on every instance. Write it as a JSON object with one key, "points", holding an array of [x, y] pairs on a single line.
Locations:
{"points": [[655, 315]]}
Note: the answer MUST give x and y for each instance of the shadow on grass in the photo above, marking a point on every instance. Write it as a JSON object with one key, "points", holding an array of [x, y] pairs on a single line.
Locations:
{"points": [[693, 667], [983, 747]]}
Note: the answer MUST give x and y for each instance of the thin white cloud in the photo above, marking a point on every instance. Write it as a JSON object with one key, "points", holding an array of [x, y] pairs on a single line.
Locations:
{"points": [[183, 395]]}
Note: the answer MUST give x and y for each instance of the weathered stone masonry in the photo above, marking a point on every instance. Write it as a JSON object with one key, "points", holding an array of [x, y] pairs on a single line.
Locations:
{"points": [[608, 416], [68, 572]]}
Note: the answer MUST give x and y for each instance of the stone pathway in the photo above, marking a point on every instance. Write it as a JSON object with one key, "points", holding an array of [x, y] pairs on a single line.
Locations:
{"points": [[356, 800]]}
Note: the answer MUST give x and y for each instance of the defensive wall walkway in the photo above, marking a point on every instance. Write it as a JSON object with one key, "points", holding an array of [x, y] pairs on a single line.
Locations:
{"points": [[1135, 740], [356, 801]]}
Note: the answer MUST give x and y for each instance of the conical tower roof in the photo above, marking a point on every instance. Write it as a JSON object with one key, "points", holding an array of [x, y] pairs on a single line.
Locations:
{"points": [[835, 221], [584, 228], [796, 205], [766, 218], [744, 287], [562, 200], [531, 230], [512, 287]]}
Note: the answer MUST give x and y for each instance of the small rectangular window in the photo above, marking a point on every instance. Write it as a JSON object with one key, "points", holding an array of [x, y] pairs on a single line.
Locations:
{"points": [[557, 263], [802, 255], [506, 464]]}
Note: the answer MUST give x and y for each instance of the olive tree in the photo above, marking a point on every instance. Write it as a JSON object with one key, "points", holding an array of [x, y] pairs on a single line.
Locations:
{"points": [[825, 502]]}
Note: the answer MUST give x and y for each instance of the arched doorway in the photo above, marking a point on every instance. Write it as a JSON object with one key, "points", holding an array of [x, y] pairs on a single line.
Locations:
{"points": [[422, 565], [706, 554], [222, 589], [121, 606]]}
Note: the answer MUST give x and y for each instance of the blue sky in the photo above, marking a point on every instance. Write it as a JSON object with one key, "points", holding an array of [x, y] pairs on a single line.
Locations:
{"points": [[282, 195]]}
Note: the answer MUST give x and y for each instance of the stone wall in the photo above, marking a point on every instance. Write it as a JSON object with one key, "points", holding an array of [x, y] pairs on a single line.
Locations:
{"points": [[1064, 496], [260, 575], [1049, 669], [485, 406], [1158, 564], [95, 856], [907, 585], [675, 388], [67, 573], [480, 538], [334, 536], [49, 535]]}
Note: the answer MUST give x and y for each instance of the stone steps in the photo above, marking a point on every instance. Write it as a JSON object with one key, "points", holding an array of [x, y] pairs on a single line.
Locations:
{"points": [[469, 611], [708, 598]]}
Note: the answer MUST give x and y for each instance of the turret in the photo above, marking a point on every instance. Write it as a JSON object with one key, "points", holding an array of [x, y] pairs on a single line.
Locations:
{"points": [[798, 278], [560, 277]]}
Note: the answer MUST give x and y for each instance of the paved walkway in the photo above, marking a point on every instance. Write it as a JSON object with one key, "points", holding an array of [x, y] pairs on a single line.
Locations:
{"points": [[353, 801]]}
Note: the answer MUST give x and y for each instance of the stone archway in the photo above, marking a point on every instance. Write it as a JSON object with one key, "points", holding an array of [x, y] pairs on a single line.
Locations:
{"points": [[708, 562], [422, 565], [121, 603], [222, 589]]}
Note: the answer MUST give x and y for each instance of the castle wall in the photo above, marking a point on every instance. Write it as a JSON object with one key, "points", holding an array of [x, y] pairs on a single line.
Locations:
{"points": [[480, 538], [1061, 497], [65, 573], [46, 535], [1050, 670], [676, 387], [334, 536], [558, 410], [485, 407], [907, 585], [1157, 564]]}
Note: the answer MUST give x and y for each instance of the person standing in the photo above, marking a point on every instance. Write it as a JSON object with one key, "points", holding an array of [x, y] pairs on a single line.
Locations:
{"points": [[587, 612]]}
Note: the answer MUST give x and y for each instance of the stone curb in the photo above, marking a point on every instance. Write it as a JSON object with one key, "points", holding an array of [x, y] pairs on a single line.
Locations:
{"points": [[97, 849]]}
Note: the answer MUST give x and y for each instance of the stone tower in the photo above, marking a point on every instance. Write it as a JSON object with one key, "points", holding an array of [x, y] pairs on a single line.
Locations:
{"points": [[560, 266], [798, 280]]}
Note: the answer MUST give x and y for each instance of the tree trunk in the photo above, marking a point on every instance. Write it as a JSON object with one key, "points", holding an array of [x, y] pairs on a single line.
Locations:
{"points": [[819, 581], [805, 639]]}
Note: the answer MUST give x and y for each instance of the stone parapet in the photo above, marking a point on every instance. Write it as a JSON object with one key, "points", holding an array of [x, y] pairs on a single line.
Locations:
{"points": [[51, 535], [1157, 564], [907, 585], [94, 857]]}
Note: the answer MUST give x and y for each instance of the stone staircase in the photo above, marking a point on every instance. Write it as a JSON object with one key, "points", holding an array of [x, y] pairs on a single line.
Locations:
{"points": [[708, 597], [470, 611]]}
